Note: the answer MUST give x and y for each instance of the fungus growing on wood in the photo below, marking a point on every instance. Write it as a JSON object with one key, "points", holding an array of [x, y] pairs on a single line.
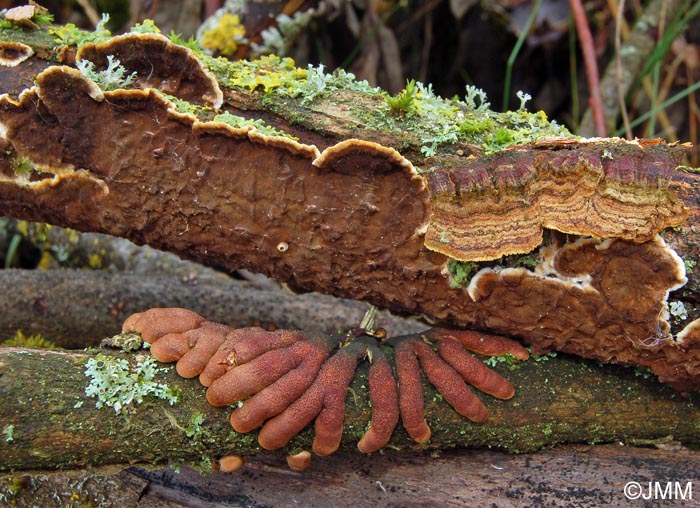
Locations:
{"points": [[357, 219], [14, 53], [160, 64], [288, 379], [231, 463], [500, 204], [299, 461]]}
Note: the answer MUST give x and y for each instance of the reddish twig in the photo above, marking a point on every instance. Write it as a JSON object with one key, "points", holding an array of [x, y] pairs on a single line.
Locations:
{"points": [[589, 58]]}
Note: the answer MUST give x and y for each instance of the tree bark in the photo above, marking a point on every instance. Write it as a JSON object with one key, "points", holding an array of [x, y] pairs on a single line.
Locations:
{"points": [[49, 422], [78, 308]]}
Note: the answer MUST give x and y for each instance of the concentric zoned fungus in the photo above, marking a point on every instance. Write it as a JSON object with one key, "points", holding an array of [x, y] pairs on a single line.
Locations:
{"points": [[288, 380], [500, 204]]}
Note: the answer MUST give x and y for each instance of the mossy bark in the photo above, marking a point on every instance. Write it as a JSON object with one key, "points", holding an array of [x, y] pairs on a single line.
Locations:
{"points": [[48, 422]]}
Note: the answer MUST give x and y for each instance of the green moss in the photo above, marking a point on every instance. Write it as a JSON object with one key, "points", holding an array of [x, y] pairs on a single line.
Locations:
{"points": [[405, 101], [194, 429], [23, 166], [35, 341], [190, 43], [461, 272], [475, 126]]}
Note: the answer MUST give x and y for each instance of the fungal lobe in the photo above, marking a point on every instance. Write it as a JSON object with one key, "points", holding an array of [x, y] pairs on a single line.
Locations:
{"points": [[500, 204]]}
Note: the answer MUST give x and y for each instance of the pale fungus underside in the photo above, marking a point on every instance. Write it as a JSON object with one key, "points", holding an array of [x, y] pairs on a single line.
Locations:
{"points": [[358, 219]]}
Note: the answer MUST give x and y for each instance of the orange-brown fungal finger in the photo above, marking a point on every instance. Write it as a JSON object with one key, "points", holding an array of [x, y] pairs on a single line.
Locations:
{"points": [[278, 396], [244, 380], [299, 461], [473, 371], [279, 430], [336, 376], [174, 346], [155, 323], [410, 393], [449, 383], [231, 463], [171, 347], [225, 357], [384, 396], [260, 341], [482, 343], [206, 341]]}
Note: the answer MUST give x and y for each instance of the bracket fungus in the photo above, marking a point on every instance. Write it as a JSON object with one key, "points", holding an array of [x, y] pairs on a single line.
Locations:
{"points": [[14, 53], [500, 204], [158, 63], [357, 220]]}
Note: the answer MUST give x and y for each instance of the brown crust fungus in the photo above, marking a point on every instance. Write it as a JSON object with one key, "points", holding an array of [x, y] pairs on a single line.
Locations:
{"points": [[14, 53], [159, 64]]}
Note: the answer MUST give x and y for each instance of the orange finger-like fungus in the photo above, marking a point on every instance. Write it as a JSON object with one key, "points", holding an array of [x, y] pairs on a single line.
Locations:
{"points": [[275, 398], [448, 372], [411, 401], [231, 463], [299, 461], [243, 380], [473, 371], [324, 401], [384, 397], [481, 343], [158, 322]]}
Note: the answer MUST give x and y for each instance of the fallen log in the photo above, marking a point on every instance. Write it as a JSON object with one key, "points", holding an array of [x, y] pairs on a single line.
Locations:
{"points": [[585, 475], [49, 422], [78, 308]]}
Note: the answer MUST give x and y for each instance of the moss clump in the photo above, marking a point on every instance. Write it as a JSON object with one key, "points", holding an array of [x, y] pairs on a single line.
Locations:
{"points": [[461, 272], [405, 101], [23, 166], [35, 341]]}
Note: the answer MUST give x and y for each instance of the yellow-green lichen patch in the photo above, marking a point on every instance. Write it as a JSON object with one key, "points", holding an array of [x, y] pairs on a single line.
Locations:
{"points": [[71, 35]]}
